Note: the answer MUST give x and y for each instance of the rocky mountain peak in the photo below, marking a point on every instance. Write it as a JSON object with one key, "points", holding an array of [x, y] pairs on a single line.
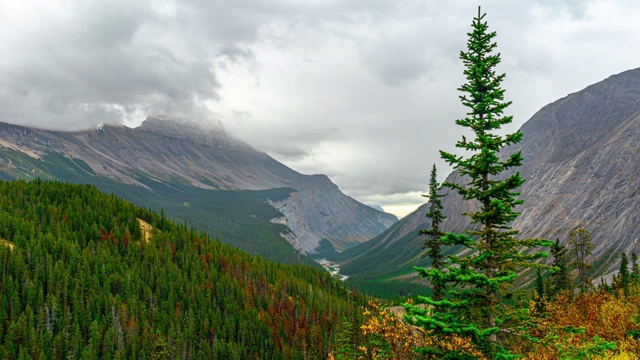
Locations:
{"points": [[210, 133], [581, 120]]}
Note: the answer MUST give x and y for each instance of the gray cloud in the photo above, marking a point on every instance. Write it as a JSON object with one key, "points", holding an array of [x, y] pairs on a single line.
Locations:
{"points": [[106, 61], [395, 61], [576, 8], [82, 63]]}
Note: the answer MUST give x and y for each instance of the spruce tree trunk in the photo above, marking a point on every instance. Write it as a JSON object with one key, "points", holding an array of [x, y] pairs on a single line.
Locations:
{"points": [[493, 297]]}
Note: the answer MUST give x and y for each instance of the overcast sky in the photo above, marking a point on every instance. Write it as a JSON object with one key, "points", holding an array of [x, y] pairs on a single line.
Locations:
{"points": [[361, 90]]}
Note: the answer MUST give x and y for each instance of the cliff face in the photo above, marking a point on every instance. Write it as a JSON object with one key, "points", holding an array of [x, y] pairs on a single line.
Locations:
{"points": [[584, 172], [188, 154], [318, 210], [581, 165]]}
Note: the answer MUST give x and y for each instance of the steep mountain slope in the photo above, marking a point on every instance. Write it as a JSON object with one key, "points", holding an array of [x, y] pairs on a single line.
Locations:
{"points": [[581, 169], [185, 162]]}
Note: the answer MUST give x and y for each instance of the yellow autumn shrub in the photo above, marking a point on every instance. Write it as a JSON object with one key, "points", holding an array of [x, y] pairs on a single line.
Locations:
{"points": [[603, 316], [389, 337]]}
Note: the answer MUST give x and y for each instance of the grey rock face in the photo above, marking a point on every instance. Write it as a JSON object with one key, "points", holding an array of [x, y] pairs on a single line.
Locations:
{"points": [[208, 158], [318, 210], [582, 169]]}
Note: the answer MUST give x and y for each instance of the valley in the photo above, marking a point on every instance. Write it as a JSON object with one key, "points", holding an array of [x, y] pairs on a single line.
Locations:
{"points": [[332, 268], [219, 188]]}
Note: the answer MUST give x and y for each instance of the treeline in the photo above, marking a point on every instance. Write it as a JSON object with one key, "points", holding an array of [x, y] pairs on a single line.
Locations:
{"points": [[80, 281]]}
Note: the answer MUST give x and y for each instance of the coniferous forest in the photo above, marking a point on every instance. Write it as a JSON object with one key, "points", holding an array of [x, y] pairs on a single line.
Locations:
{"points": [[79, 279]]}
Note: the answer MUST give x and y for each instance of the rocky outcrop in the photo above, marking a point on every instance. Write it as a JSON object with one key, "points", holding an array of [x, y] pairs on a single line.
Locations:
{"points": [[581, 169], [583, 153], [318, 210]]}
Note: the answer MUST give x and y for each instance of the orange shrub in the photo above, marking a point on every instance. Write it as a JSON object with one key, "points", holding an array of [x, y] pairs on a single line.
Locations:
{"points": [[387, 336], [604, 317]]}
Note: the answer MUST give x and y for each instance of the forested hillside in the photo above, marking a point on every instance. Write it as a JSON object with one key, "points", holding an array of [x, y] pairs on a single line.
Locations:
{"points": [[80, 280], [240, 217]]}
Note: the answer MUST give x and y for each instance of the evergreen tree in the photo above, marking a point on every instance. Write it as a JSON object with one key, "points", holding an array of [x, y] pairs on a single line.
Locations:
{"points": [[475, 307], [539, 294], [625, 277], [345, 345], [581, 247], [635, 269], [603, 286], [561, 276], [433, 243]]}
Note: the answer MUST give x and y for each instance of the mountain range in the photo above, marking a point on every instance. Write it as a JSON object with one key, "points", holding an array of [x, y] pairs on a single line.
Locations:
{"points": [[581, 154], [202, 175], [581, 165]]}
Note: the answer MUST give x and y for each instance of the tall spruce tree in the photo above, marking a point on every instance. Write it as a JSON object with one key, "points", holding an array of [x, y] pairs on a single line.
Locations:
{"points": [[561, 276], [581, 249], [625, 277], [433, 235], [635, 269], [476, 306]]}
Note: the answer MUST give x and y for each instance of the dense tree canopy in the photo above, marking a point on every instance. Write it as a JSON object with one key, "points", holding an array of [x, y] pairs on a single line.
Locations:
{"points": [[81, 282]]}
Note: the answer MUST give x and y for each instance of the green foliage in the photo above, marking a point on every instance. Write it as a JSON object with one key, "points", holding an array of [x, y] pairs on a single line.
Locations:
{"points": [[561, 276], [433, 235], [73, 287], [595, 346], [625, 277], [345, 341], [635, 269], [581, 248], [475, 307]]}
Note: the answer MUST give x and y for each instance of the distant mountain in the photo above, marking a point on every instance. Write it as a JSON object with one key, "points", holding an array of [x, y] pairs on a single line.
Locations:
{"points": [[582, 169], [183, 167], [377, 207]]}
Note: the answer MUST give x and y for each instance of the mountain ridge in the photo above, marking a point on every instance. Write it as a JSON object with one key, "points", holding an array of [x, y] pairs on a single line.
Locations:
{"points": [[185, 155]]}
